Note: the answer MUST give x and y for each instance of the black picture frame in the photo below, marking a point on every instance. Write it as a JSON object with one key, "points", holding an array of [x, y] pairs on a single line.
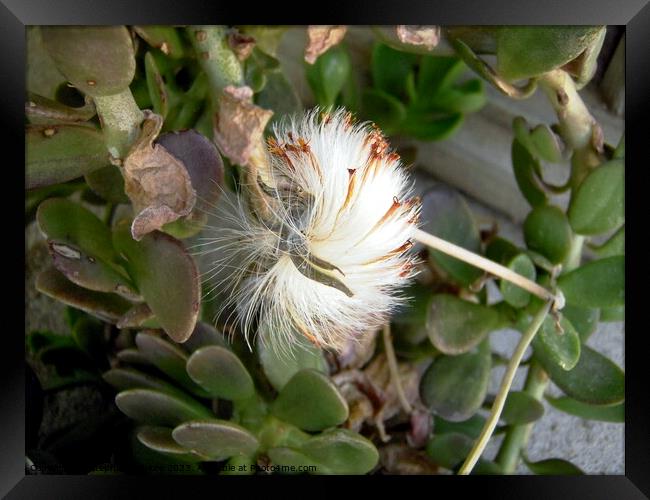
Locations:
{"points": [[15, 15]]}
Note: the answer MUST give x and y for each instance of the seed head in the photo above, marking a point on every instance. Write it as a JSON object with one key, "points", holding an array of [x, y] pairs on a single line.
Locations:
{"points": [[329, 262]]}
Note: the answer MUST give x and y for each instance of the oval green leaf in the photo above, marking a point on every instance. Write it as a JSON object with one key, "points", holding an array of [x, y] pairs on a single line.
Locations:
{"points": [[512, 294], [455, 326], [562, 348], [521, 408], [605, 413], [216, 439], [454, 387], [594, 380], [446, 215], [341, 451], [220, 373], [165, 274], [600, 283], [169, 359], [158, 408], [547, 231], [599, 203], [98, 60], [59, 153], [279, 369], [311, 401], [526, 51]]}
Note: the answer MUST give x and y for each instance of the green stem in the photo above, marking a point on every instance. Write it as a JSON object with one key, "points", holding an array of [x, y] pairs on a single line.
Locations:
{"points": [[216, 58], [120, 118], [506, 383], [517, 437]]}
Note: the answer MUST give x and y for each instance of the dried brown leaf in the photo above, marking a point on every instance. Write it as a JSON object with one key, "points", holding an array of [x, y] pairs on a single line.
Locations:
{"points": [[157, 183], [429, 36], [400, 459], [242, 45], [322, 38], [239, 124]]}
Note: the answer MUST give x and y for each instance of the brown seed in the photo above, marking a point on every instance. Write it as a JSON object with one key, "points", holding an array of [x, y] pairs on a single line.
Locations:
{"points": [[205, 55], [201, 36]]}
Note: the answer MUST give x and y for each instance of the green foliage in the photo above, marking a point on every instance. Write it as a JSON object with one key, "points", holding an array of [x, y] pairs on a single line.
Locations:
{"points": [[192, 397], [177, 421], [454, 387], [419, 96]]}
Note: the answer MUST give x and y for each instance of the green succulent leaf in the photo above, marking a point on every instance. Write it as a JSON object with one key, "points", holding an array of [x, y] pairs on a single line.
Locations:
{"points": [[159, 408], [430, 125], [62, 152], [327, 76], [546, 144], [310, 401], [164, 38], [527, 51], [290, 460], [446, 215], [215, 439], [521, 408], [512, 294], [204, 334], [455, 326], [98, 60], [562, 348], [449, 449], [611, 314], [108, 183], [220, 373], [594, 380], [390, 69], [128, 378], [160, 439], [599, 203], [165, 274], [554, 467], [583, 319], [69, 222], [454, 387], [169, 359], [547, 231], [600, 283], [341, 451], [526, 169], [471, 427], [105, 306], [384, 109], [280, 369], [605, 413]]}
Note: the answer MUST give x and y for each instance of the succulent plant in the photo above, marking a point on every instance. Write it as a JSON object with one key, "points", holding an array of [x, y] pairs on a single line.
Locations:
{"points": [[134, 132], [197, 402]]}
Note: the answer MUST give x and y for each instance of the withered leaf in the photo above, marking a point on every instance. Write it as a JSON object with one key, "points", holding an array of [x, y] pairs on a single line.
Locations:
{"points": [[157, 183], [242, 45], [239, 124], [322, 38], [429, 36]]}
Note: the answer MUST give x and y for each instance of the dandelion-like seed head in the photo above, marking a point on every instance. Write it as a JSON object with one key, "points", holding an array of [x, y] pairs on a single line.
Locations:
{"points": [[328, 260]]}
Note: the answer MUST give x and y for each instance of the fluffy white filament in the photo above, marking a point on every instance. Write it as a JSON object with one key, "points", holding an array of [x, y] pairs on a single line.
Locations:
{"points": [[328, 264]]}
